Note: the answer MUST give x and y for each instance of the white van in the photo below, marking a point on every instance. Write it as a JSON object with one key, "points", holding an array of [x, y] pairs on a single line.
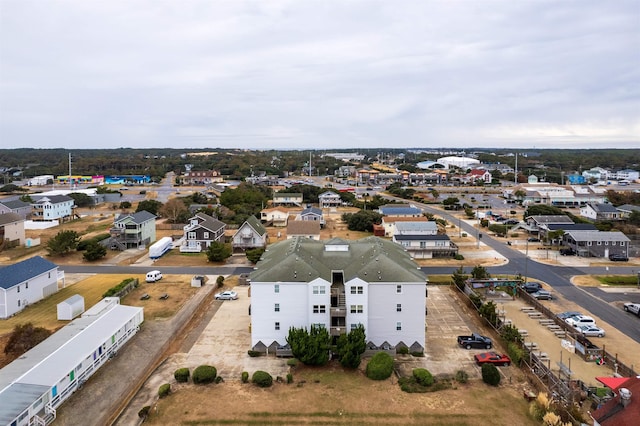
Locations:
{"points": [[153, 276]]}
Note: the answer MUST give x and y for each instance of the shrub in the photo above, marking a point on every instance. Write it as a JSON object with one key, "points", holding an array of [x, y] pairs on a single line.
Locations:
{"points": [[164, 390], [115, 290], [144, 411], [262, 379], [459, 256], [462, 376], [515, 352], [417, 354], [254, 354], [245, 377], [403, 350], [289, 378], [220, 281], [423, 376], [219, 379], [490, 374], [181, 375], [292, 362], [380, 366], [204, 374]]}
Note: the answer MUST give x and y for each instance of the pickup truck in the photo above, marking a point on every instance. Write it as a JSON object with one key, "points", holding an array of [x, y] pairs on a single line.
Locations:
{"points": [[475, 341], [634, 308]]}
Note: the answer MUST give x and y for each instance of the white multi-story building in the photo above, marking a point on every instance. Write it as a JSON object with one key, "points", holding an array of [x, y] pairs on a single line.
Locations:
{"points": [[628, 174], [338, 284]]}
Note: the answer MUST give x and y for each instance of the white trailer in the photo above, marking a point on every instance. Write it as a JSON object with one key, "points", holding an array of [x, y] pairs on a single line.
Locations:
{"points": [[160, 247]]}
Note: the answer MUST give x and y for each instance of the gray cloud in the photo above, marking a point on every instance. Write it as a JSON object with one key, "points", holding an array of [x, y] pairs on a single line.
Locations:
{"points": [[318, 74]]}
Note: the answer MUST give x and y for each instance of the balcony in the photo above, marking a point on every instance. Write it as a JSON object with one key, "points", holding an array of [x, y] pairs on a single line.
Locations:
{"points": [[337, 331]]}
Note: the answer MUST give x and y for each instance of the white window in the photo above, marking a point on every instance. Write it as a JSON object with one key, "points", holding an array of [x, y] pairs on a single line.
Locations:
{"points": [[206, 235], [613, 243], [319, 325], [599, 243], [399, 307], [319, 309], [18, 302], [18, 289], [423, 244], [621, 243], [399, 289], [26, 285], [399, 326], [357, 289], [277, 326], [606, 243], [191, 235], [276, 307], [318, 289], [589, 243], [276, 288], [356, 309]]}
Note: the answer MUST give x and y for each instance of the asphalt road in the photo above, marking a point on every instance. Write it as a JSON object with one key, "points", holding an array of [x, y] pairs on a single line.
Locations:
{"points": [[558, 277]]}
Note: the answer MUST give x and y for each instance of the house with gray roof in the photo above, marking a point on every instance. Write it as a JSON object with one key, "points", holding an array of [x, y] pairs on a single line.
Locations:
{"points": [[597, 243], [600, 212], [200, 232], [251, 234], [26, 282], [11, 230], [553, 227], [329, 199], [424, 246], [136, 230], [626, 210], [338, 284], [311, 214], [53, 207], [16, 206], [400, 211]]}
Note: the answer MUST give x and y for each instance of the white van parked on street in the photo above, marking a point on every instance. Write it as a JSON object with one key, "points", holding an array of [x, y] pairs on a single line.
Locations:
{"points": [[153, 276]]}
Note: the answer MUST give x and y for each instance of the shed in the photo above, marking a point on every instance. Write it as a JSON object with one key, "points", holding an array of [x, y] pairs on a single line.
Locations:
{"points": [[198, 280], [70, 308]]}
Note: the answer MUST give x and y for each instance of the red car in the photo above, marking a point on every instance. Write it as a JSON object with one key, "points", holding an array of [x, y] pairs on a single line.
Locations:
{"points": [[492, 358]]}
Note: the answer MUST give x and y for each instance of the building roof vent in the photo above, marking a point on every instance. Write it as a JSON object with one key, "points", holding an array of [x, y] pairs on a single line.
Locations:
{"points": [[625, 396]]}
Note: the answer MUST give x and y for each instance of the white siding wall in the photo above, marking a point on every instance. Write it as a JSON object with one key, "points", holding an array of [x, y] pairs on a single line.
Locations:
{"points": [[293, 300], [38, 288], [383, 316], [358, 299], [320, 300]]}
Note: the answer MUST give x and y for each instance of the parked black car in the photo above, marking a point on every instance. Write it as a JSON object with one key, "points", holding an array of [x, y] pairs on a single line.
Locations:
{"points": [[567, 252], [532, 286], [618, 258]]}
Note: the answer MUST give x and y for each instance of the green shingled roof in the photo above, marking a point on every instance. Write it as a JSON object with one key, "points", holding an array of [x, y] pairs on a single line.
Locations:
{"points": [[371, 259]]}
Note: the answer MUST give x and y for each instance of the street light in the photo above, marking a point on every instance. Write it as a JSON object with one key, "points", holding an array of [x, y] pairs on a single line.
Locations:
{"points": [[526, 260]]}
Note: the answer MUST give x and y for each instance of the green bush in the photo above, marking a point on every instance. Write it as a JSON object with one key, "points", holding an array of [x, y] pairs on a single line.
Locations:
{"points": [[418, 354], [219, 379], [119, 287], [423, 376], [181, 375], [490, 374], [292, 362], [289, 378], [254, 354], [462, 376], [220, 281], [82, 245], [516, 353], [380, 366], [204, 374], [144, 411], [403, 350], [245, 377], [262, 379], [164, 390], [459, 256]]}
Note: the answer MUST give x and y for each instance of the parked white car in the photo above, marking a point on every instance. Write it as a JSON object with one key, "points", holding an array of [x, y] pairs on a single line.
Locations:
{"points": [[580, 320], [227, 295], [591, 330]]}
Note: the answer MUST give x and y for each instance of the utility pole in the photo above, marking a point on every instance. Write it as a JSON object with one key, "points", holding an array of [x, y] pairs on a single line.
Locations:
{"points": [[70, 183]]}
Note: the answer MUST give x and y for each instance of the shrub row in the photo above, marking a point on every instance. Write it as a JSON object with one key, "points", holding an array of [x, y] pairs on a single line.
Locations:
{"points": [[115, 290], [181, 375]]}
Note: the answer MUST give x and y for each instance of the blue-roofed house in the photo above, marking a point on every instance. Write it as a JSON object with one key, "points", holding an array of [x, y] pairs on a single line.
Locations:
{"points": [[26, 282], [400, 210]]}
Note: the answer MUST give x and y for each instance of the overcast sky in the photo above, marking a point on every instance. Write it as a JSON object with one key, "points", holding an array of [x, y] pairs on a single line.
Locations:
{"points": [[319, 74]]}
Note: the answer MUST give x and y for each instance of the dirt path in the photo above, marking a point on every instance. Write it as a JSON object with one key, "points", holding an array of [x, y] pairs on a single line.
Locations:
{"points": [[106, 394]]}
